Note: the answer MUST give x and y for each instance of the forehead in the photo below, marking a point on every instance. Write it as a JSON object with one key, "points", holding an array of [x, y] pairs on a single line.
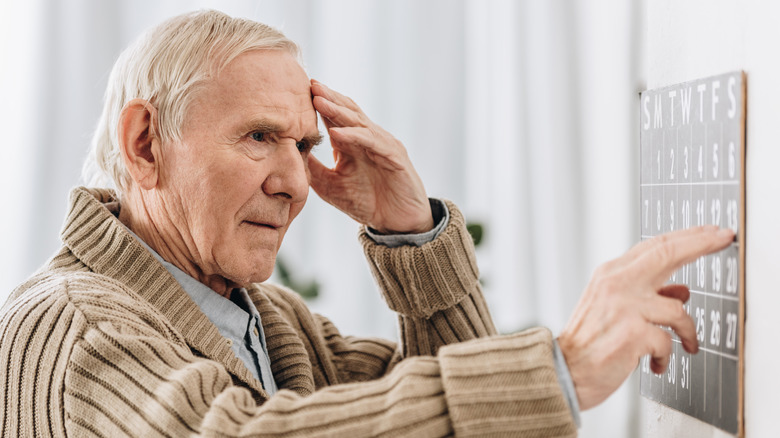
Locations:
{"points": [[259, 84]]}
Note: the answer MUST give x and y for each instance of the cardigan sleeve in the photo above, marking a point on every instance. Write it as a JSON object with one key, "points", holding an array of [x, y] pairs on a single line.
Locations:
{"points": [[85, 359], [434, 288]]}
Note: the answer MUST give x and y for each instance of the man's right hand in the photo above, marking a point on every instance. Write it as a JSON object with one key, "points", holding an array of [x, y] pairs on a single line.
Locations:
{"points": [[616, 321]]}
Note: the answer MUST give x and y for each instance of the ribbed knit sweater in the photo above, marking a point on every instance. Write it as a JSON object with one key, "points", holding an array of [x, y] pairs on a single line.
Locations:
{"points": [[102, 341]]}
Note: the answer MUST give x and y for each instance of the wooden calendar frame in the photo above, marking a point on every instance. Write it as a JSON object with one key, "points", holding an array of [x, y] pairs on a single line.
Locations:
{"points": [[702, 121]]}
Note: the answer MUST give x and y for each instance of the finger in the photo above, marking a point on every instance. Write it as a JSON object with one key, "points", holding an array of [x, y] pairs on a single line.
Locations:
{"points": [[319, 89], [660, 347], [674, 250], [352, 139], [642, 247], [336, 115], [646, 246], [677, 291], [670, 312]]}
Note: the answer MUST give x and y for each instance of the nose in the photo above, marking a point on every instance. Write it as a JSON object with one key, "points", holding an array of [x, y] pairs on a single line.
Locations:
{"points": [[287, 179]]}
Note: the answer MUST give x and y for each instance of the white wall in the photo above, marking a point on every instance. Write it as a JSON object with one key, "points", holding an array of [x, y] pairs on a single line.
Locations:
{"points": [[695, 39]]}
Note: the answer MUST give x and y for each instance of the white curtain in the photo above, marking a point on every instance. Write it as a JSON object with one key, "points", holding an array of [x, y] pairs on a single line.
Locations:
{"points": [[522, 112]]}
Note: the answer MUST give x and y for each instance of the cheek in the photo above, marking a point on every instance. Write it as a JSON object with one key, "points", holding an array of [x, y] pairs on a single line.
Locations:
{"points": [[295, 209]]}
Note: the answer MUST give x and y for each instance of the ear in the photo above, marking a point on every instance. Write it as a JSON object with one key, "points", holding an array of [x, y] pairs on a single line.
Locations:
{"points": [[138, 142]]}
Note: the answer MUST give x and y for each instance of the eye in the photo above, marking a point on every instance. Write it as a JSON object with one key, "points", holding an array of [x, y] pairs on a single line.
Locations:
{"points": [[302, 146], [258, 136]]}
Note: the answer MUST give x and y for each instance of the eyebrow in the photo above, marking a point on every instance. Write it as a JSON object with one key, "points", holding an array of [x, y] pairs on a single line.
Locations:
{"points": [[264, 125]]}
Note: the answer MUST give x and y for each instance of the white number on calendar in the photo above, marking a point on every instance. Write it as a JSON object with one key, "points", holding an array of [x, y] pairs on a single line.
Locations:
{"points": [[671, 168], [671, 215], [731, 275], [672, 372], [700, 272], [700, 212], [715, 160], [685, 213], [732, 160], [715, 332], [731, 214], [647, 212], [658, 219], [659, 165], [716, 273], [685, 169], [731, 330], [700, 324], [715, 210], [685, 376]]}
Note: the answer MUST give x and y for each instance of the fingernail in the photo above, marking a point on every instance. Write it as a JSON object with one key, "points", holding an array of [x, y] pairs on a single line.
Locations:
{"points": [[725, 232]]}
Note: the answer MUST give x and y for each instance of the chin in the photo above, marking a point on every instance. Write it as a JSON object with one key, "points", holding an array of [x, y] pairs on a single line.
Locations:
{"points": [[257, 273]]}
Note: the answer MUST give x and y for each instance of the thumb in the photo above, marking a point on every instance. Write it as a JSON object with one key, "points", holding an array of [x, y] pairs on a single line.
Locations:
{"points": [[321, 177]]}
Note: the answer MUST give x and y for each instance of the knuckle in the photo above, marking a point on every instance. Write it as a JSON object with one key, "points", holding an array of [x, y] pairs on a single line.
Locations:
{"points": [[635, 329], [665, 252], [662, 239]]}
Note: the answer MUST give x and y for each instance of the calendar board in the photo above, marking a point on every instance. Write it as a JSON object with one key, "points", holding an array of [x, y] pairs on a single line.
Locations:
{"points": [[692, 138]]}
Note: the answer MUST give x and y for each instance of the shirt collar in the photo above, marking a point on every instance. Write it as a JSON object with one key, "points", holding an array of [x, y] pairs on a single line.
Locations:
{"points": [[230, 319]]}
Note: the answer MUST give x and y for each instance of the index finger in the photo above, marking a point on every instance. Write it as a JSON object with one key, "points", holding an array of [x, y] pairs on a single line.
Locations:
{"points": [[320, 89], [669, 252], [644, 246]]}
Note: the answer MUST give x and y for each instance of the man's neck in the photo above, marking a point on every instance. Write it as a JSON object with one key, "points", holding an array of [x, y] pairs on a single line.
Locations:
{"points": [[163, 236]]}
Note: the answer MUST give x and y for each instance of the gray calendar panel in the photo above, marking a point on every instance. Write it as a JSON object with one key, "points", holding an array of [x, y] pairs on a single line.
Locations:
{"points": [[691, 138]]}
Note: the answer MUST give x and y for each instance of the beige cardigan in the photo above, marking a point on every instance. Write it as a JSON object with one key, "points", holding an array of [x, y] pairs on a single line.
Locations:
{"points": [[102, 341]]}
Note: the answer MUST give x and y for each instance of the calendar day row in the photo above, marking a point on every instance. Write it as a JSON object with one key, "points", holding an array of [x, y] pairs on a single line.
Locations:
{"points": [[716, 320], [669, 208], [701, 102], [688, 156]]}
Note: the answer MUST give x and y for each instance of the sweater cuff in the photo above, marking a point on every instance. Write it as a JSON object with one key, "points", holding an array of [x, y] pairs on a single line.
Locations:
{"points": [[441, 217], [419, 281], [505, 385]]}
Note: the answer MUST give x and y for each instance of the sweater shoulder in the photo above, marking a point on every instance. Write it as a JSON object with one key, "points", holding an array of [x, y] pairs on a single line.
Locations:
{"points": [[93, 299]]}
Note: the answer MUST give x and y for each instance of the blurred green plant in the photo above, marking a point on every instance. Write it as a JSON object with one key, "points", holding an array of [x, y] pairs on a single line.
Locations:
{"points": [[477, 231], [307, 289]]}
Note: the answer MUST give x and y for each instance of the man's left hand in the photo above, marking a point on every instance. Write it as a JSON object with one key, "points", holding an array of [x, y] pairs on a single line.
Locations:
{"points": [[373, 180]]}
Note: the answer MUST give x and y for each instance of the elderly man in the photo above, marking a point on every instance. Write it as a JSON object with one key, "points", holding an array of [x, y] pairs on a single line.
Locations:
{"points": [[152, 320]]}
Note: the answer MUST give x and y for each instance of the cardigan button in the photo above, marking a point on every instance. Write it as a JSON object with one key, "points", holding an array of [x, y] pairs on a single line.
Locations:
{"points": [[229, 342]]}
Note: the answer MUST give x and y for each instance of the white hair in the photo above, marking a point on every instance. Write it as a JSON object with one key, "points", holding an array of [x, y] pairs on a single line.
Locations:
{"points": [[164, 66]]}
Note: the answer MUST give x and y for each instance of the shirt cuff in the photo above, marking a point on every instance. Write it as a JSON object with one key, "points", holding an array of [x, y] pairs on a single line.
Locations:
{"points": [[567, 385], [441, 217]]}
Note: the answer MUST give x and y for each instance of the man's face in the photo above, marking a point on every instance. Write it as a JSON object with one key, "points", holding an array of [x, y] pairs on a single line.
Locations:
{"points": [[239, 176]]}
